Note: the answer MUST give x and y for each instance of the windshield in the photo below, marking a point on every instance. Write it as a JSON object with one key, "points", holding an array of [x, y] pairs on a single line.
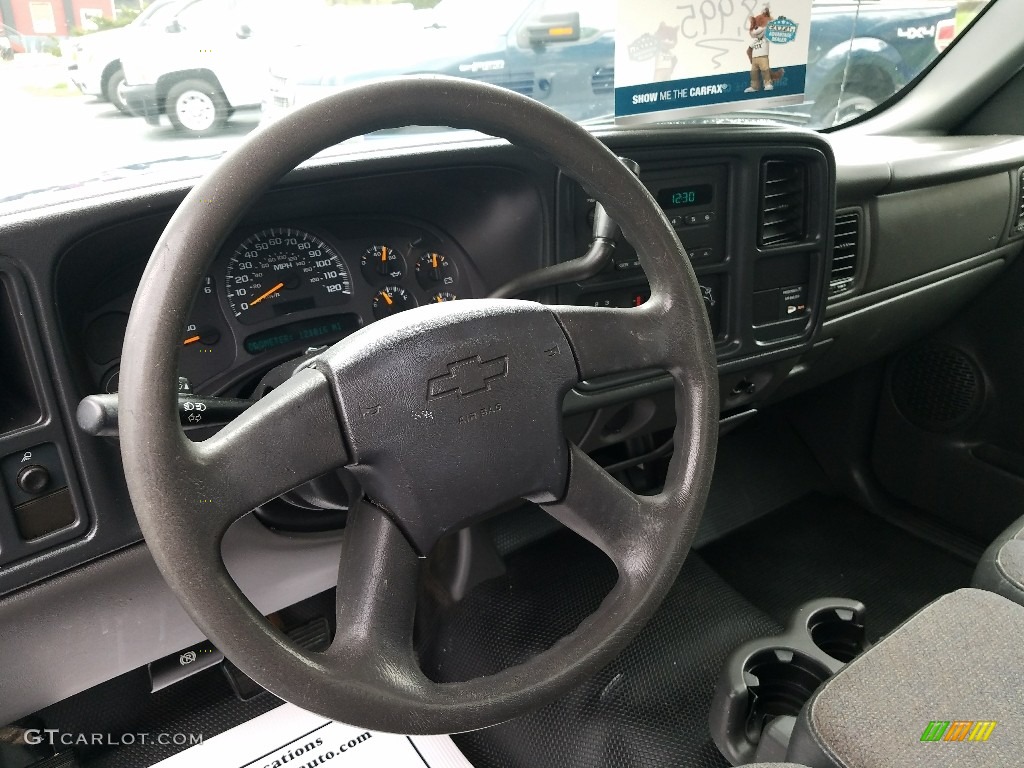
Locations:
{"points": [[126, 95]]}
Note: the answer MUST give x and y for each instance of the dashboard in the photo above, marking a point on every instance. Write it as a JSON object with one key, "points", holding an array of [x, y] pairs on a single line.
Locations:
{"points": [[815, 256], [756, 218]]}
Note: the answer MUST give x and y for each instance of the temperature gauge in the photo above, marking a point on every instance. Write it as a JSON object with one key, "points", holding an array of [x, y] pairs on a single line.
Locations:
{"points": [[435, 269], [443, 296], [390, 300]]}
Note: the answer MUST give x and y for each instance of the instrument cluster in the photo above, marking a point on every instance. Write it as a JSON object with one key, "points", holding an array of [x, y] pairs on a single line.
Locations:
{"points": [[275, 292]]}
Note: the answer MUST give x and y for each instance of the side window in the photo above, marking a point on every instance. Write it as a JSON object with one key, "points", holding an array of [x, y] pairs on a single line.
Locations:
{"points": [[203, 14], [162, 15]]}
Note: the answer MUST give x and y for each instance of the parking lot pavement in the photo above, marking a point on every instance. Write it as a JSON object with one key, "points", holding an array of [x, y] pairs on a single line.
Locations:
{"points": [[52, 135]]}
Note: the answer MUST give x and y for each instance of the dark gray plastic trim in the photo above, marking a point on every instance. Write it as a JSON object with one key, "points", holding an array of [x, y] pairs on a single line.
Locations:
{"points": [[89, 625]]}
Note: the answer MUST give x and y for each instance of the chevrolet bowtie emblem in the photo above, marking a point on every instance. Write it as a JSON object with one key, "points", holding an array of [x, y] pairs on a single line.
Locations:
{"points": [[468, 377]]}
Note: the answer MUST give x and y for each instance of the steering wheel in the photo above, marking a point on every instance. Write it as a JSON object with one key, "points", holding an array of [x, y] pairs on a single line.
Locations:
{"points": [[441, 412]]}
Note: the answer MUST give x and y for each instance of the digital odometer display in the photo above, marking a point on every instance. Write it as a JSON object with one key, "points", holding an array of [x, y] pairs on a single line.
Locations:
{"points": [[280, 271], [306, 331], [685, 197]]}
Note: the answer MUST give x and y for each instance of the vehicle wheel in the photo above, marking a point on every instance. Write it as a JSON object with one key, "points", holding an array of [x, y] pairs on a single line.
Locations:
{"points": [[114, 91], [196, 107], [841, 109]]}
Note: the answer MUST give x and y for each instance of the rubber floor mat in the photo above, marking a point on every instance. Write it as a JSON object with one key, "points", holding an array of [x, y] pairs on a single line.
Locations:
{"points": [[648, 708], [824, 547]]}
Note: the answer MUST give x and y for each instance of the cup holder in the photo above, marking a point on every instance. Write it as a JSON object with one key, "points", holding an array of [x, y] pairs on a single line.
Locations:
{"points": [[839, 632], [780, 681], [767, 681]]}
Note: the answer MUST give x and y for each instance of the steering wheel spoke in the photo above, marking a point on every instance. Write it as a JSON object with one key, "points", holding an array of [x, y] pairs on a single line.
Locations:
{"points": [[376, 597], [607, 340], [290, 436], [608, 515]]}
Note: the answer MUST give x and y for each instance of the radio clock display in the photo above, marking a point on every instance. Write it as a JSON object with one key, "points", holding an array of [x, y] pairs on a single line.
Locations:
{"points": [[685, 197]]}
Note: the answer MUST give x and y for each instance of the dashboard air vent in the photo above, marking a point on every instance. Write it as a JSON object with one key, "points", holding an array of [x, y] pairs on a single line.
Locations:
{"points": [[845, 253], [1019, 228], [783, 216]]}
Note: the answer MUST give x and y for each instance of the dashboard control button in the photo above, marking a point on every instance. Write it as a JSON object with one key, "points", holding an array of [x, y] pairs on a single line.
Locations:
{"points": [[794, 300], [45, 515], [698, 219], [31, 472], [34, 479]]}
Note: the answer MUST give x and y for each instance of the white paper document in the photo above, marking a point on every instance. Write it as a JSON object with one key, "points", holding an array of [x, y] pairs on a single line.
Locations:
{"points": [[680, 58], [289, 737]]}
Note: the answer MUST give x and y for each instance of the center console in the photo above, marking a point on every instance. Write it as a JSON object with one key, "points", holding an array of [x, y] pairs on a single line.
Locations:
{"points": [[757, 223]]}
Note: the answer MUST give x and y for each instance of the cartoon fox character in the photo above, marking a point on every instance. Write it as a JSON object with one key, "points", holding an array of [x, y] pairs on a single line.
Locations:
{"points": [[665, 61], [762, 76]]}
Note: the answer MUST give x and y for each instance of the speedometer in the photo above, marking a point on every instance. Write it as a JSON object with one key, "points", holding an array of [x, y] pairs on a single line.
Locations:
{"points": [[280, 271]]}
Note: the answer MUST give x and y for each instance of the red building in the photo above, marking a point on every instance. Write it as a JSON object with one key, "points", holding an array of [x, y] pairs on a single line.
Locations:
{"points": [[31, 20]]}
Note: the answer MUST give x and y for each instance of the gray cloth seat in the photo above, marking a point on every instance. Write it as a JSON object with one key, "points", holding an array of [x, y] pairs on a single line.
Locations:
{"points": [[1001, 568], [959, 663]]}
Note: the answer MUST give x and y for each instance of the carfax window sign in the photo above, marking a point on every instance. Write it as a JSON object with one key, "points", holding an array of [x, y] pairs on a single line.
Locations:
{"points": [[680, 59]]}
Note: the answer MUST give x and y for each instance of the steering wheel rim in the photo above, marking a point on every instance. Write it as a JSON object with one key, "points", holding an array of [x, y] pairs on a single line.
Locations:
{"points": [[187, 494]]}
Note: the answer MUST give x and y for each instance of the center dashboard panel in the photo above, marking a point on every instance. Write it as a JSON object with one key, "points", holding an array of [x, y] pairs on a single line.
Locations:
{"points": [[757, 225]]}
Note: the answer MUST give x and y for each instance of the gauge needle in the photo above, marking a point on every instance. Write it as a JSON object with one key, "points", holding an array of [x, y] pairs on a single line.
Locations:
{"points": [[383, 254], [272, 291], [387, 297], [434, 261], [192, 339]]}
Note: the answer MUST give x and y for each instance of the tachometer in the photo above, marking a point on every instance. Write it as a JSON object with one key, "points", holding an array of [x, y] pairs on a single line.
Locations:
{"points": [[280, 271]]}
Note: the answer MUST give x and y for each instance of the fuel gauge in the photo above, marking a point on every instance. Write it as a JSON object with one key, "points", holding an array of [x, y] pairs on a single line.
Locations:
{"points": [[203, 336], [443, 296]]}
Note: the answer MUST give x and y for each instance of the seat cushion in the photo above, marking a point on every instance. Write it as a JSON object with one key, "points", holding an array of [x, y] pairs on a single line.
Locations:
{"points": [[1001, 569], [926, 694]]}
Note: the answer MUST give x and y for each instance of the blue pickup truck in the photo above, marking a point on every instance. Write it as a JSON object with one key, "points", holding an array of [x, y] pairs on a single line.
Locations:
{"points": [[567, 59], [888, 43]]}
